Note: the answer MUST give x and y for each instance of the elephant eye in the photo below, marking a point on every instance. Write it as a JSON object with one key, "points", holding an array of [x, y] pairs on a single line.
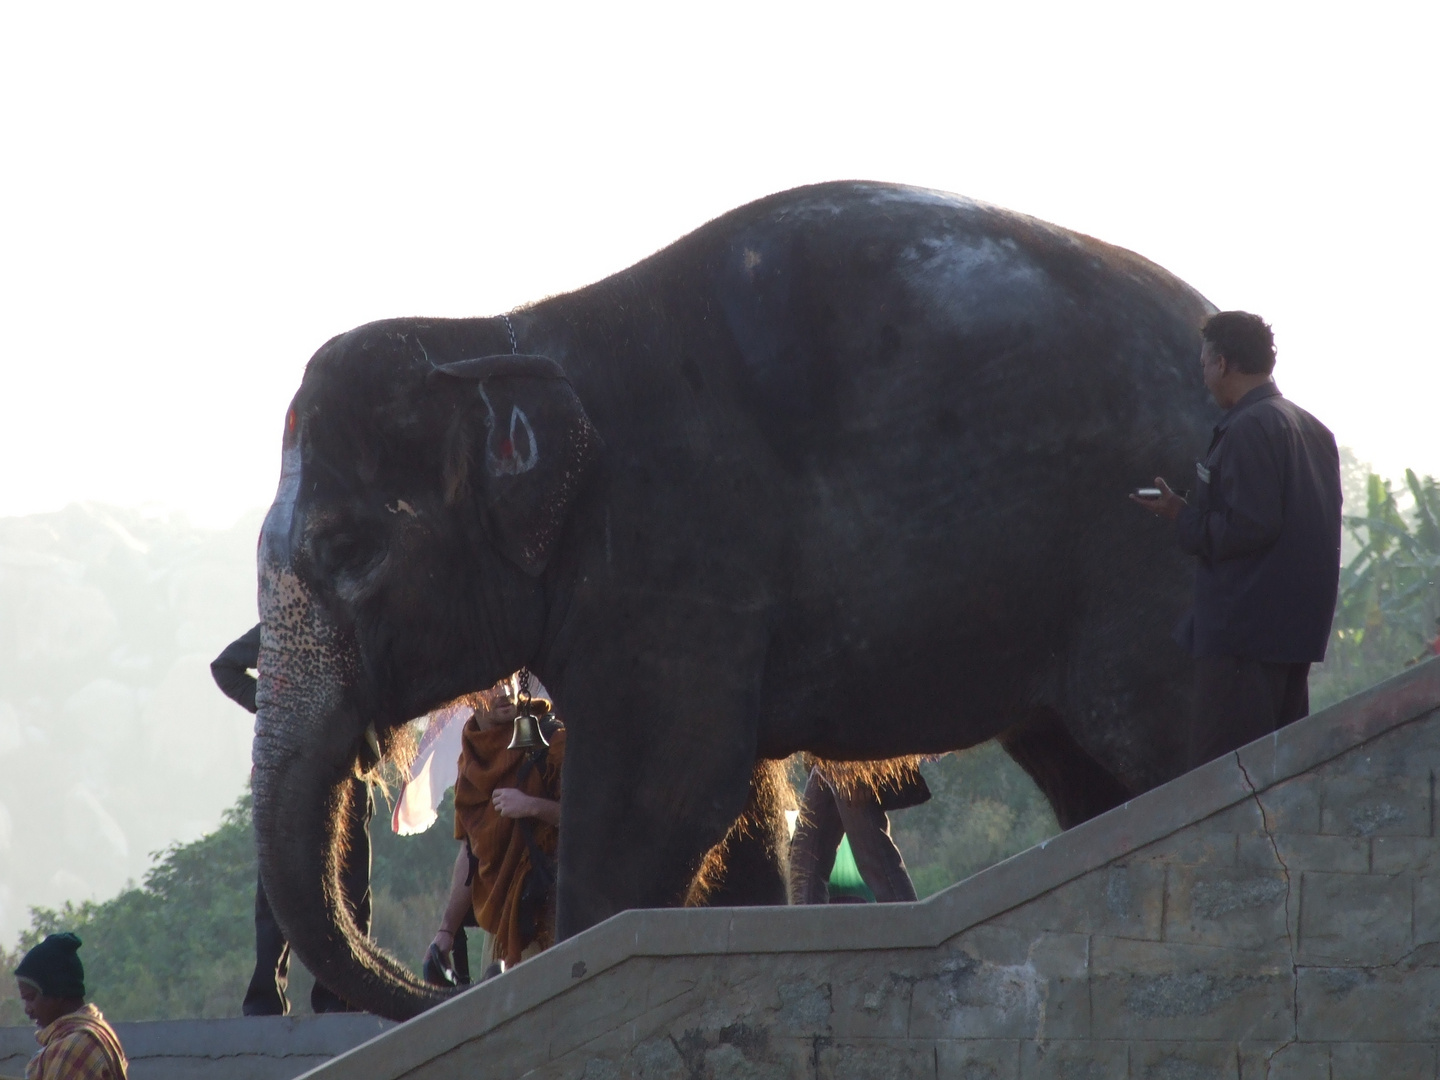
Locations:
{"points": [[345, 552]]}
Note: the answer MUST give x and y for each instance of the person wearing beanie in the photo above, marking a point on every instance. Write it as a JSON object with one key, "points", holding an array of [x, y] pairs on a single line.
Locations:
{"points": [[75, 1041]]}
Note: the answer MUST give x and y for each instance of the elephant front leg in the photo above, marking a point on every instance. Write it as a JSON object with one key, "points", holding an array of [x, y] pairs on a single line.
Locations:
{"points": [[648, 788]]}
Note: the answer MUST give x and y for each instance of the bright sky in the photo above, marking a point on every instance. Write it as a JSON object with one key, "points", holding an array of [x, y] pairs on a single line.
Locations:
{"points": [[196, 196]]}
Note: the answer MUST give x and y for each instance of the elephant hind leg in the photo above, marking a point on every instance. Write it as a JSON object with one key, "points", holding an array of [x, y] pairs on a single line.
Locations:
{"points": [[1077, 787], [750, 867]]}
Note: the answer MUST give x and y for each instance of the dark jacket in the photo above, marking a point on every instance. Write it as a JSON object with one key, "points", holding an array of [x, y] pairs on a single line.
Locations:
{"points": [[1265, 526], [230, 669]]}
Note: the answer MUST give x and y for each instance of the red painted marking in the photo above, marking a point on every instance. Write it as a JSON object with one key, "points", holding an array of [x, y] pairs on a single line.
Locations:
{"points": [[506, 448]]}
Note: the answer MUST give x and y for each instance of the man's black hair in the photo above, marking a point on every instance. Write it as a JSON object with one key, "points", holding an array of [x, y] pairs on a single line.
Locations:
{"points": [[1244, 340]]}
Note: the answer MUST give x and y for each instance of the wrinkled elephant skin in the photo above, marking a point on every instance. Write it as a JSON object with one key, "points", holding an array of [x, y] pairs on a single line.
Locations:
{"points": [[844, 470]]}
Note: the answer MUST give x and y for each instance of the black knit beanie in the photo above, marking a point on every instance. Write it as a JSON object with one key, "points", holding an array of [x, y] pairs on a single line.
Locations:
{"points": [[54, 966]]}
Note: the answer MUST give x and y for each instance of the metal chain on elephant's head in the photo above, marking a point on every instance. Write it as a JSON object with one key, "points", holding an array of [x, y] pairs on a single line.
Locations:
{"points": [[509, 329], [522, 698]]}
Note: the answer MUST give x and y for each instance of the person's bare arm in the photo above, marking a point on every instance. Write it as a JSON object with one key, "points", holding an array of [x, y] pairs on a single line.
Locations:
{"points": [[457, 905], [513, 803]]}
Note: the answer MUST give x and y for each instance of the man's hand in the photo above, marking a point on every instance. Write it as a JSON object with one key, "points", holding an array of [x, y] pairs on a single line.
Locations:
{"points": [[1168, 505], [512, 803], [438, 969], [442, 943]]}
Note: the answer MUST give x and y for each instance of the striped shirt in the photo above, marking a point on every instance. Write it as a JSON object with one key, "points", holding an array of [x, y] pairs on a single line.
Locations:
{"points": [[78, 1046]]}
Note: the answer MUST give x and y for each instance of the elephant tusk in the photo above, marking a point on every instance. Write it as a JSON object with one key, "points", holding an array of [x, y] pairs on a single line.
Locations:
{"points": [[369, 760]]}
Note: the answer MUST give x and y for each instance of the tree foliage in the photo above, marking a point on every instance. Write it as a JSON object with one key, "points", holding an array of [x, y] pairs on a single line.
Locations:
{"points": [[183, 943], [983, 809], [1387, 612]]}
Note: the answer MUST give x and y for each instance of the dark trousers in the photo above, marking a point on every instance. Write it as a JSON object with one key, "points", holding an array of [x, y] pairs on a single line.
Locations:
{"points": [[825, 817], [1238, 701], [266, 994]]}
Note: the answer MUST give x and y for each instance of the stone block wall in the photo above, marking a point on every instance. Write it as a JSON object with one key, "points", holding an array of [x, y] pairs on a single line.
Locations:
{"points": [[1275, 913]]}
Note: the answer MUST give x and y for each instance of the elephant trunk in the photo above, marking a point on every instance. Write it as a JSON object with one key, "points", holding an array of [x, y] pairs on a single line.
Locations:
{"points": [[306, 740]]}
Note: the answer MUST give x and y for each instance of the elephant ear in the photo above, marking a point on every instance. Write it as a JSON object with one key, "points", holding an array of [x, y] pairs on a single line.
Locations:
{"points": [[533, 447]]}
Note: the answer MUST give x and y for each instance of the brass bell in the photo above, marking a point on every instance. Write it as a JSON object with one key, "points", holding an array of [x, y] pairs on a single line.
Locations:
{"points": [[528, 735]]}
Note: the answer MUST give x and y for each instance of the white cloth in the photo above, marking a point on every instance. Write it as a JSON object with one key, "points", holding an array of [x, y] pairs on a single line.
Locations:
{"points": [[436, 766], [432, 773]]}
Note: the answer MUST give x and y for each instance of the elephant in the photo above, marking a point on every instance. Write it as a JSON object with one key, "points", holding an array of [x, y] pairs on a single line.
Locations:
{"points": [[843, 471]]}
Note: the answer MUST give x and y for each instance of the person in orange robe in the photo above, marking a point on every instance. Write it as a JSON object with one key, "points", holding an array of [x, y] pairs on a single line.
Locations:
{"points": [[507, 817]]}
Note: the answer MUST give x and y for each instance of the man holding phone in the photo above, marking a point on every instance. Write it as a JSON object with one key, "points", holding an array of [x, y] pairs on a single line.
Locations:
{"points": [[1264, 526]]}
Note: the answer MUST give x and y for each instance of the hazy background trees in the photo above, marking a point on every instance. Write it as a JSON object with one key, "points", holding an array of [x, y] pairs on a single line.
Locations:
{"points": [[114, 742]]}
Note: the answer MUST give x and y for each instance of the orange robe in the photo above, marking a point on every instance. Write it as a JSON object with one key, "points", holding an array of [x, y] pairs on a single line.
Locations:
{"points": [[495, 841]]}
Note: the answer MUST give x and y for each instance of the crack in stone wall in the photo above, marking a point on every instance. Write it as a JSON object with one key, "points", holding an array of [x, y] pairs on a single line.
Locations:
{"points": [[1289, 932]]}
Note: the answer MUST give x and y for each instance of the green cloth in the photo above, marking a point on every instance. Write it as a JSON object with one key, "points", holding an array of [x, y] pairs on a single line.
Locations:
{"points": [[845, 879]]}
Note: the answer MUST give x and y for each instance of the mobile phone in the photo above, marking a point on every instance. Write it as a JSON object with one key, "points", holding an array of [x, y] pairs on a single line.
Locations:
{"points": [[1148, 493]]}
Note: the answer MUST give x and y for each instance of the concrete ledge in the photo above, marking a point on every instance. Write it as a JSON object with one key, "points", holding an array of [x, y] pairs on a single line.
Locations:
{"points": [[243, 1048], [738, 932]]}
